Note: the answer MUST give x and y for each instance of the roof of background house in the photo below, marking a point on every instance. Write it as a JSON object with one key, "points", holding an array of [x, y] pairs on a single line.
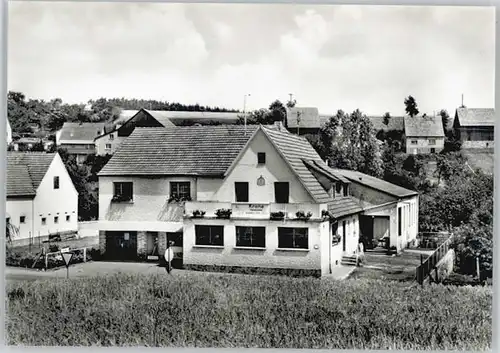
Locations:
{"points": [[125, 115], [81, 132], [191, 150], [375, 183], [395, 123], [305, 117], [420, 126], [175, 116], [25, 171], [476, 116], [160, 116]]}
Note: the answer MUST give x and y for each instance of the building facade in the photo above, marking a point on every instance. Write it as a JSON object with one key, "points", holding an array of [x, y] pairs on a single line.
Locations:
{"points": [[260, 201], [424, 134], [475, 127], [41, 198]]}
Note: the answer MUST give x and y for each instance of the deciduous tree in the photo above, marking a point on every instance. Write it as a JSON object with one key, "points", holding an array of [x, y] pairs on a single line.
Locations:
{"points": [[411, 106]]}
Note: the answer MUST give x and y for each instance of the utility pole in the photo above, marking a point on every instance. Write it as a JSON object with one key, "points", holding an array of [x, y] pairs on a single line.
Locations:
{"points": [[298, 122], [244, 110]]}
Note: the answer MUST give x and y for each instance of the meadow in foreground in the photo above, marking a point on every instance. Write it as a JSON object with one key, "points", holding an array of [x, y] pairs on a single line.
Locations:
{"points": [[247, 311]]}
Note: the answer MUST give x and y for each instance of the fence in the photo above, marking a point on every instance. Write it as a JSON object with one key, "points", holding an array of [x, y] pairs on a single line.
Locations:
{"points": [[58, 253], [429, 264], [431, 240]]}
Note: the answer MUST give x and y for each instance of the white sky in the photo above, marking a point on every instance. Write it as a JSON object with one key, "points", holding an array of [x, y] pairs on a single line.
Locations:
{"points": [[330, 57]]}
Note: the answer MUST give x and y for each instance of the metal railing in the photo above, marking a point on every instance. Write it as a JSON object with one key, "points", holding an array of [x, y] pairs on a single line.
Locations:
{"points": [[428, 265]]}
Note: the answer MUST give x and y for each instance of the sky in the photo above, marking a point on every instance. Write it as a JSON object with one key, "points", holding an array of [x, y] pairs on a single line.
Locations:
{"points": [[328, 56]]}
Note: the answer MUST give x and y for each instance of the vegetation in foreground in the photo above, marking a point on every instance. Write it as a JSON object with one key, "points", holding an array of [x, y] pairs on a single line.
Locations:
{"points": [[247, 311]]}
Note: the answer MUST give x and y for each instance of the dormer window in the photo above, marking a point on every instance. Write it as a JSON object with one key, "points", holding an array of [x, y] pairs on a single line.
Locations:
{"points": [[111, 136], [338, 188], [261, 158]]}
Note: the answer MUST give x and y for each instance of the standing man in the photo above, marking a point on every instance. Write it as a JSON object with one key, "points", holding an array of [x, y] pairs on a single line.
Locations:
{"points": [[169, 255]]}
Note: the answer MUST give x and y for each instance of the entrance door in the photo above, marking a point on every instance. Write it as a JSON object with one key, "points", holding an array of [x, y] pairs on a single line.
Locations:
{"points": [[366, 230], [121, 245], [152, 243], [344, 236]]}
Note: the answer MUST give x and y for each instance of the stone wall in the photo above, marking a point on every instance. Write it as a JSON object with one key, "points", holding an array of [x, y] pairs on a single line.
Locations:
{"points": [[102, 241], [141, 243]]}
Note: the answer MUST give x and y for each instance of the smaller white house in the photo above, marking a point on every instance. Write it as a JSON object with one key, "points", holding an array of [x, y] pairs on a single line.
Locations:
{"points": [[41, 197], [9, 132]]}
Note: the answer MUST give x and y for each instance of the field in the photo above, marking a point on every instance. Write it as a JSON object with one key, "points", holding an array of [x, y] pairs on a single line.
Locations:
{"points": [[217, 310]]}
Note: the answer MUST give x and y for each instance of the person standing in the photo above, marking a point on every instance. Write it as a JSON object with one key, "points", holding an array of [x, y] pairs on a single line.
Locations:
{"points": [[169, 256]]}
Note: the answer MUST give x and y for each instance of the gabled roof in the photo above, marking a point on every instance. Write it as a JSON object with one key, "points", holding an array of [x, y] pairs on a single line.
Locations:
{"points": [[295, 150], [420, 126], [190, 150], [81, 132], [375, 183], [125, 115], [395, 123], [25, 171], [160, 116], [476, 116]]}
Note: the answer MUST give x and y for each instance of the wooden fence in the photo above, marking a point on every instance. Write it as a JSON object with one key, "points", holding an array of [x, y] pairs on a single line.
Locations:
{"points": [[428, 265], [432, 240]]}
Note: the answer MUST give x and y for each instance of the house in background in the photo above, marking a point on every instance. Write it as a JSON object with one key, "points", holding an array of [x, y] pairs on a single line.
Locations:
{"points": [[110, 141], [24, 143], [395, 123], [8, 129], [424, 134], [475, 126], [41, 198], [78, 139], [262, 200]]}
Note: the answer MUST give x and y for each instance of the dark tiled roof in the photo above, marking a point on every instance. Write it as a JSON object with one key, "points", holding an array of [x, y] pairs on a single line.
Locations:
{"points": [[344, 206], [295, 150], [161, 117], [375, 183], [25, 171], [395, 123], [476, 116], [322, 168], [420, 126], [83, 133], [194, 150]]}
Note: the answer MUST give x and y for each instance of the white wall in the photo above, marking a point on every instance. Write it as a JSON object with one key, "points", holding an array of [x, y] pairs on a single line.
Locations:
{"points": [[17, 207], [115, 142], [423, 145], [275, 169], [268, 258], [50, 202], [352, 233]]}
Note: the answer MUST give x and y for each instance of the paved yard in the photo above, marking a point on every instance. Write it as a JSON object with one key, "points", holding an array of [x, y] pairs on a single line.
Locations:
{"points": [[104, 268]]}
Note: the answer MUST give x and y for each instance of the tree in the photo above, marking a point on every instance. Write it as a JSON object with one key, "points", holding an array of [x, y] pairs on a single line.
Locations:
{"points": [[348, 141], [445, 118], [387, 117], [277, 112], [411, 106], [291, 103]]}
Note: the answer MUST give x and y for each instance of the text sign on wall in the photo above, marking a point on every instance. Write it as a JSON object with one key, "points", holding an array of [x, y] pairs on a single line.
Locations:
{"points": [[252, 209]]}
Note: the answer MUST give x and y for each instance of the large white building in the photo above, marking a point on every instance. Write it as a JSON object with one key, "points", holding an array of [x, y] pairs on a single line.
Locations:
{"points": [[41, 198], [255, 198]]}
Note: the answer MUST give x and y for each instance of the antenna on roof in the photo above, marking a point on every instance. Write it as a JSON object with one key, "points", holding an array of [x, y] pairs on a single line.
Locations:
{"points": [[462, 101]]}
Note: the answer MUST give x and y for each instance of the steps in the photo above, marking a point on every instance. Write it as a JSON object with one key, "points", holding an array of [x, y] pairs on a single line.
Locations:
{"points": [[348, 260]]}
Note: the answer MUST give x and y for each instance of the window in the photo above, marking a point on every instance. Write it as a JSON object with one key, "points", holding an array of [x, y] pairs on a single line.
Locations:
{"points": [[433, 150], [111, 137], [344, 235], [338, 188], [68, 218], [251, 236], [281, 192], [241, 191], [413, 142], [209, 235], [56, 182], [108, 146], [56, 219], [261, 158], [44, 221], [7, 220], [22, 219], [346, 190], [400, 219], [123, 191], [180, 190], [432, 141], [293, 238]]}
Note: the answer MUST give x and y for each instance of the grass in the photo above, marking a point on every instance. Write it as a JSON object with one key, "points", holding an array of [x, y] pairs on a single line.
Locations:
{"points": [[247, 311]]}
